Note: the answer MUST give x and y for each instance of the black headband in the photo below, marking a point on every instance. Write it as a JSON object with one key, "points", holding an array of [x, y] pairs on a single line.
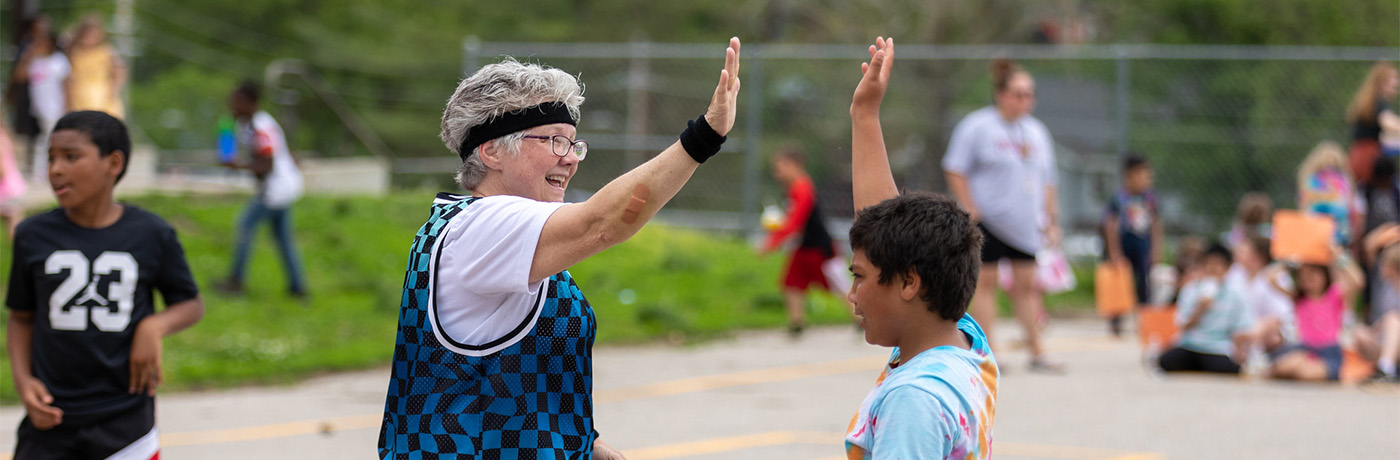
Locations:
{"points": [[510, 122]]}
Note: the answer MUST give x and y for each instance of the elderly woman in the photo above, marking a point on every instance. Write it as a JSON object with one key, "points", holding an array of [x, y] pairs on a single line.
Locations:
{"points": [[494, 351]]}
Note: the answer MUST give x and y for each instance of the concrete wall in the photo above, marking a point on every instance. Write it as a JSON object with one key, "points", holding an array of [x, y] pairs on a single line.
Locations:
{"points": [[366, 176], [357, 176]]}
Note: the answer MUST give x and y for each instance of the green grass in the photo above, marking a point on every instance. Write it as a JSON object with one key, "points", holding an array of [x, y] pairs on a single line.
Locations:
{"points": [[686, 286], [665, 283]]}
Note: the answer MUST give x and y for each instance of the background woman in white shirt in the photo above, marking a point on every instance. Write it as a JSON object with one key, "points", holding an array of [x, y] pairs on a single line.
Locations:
{"points": [[1001, 166]]}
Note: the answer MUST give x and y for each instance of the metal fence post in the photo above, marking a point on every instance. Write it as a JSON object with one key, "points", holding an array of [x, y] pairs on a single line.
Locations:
{"points": [[1124, 99], [1201, 133], [638, 101], [753, 136], [471, 54], [123, 30]]}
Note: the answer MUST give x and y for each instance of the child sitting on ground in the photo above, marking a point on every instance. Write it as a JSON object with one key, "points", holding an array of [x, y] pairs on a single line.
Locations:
{"points": [[1271, 311], [1319, 305], [1381, 343], [1212, 317]]}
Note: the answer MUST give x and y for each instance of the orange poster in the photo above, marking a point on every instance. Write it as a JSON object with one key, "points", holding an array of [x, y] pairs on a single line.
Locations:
{"points": [[1302, 237]]}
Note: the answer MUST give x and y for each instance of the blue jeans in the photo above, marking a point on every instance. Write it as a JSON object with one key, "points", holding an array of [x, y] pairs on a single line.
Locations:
{"points": [[281, 226], [1138, 250]]}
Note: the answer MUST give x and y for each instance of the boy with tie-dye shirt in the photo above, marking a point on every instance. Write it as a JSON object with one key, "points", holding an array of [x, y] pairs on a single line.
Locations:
{"points": [[937, 405], [915, 262]]}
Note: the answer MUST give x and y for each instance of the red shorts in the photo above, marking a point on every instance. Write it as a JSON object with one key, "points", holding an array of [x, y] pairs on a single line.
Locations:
{"points": [[805, 269]]}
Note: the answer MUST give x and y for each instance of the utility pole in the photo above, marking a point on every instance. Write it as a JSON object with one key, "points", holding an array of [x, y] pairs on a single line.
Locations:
{"points": [[123, 29]]}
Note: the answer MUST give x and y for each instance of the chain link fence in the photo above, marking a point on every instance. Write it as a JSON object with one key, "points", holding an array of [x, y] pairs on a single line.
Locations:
{"points": [[1215, 122]]}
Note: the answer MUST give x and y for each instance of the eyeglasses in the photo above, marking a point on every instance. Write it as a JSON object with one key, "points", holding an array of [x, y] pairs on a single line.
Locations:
{"points": [[561, 145]]}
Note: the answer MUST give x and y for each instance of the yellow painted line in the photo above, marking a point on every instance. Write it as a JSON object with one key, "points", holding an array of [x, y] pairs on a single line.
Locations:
{"points": [[741, 378], [835, 440], [1068, 452], [1143, 456], [804, 371], [691, 385], [733, 444], [277, 430], [869, 363]]}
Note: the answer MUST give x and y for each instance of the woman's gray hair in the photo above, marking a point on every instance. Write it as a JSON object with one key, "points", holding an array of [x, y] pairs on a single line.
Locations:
{"points": [[494, 90]]}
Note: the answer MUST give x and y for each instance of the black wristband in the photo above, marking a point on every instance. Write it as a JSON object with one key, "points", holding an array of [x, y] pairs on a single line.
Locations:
{"points": [[700, 140]]}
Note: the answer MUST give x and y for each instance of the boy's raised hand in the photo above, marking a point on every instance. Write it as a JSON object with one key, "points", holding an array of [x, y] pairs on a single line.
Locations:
{"points": [[875, 78], [871, 178], [38, 403]]}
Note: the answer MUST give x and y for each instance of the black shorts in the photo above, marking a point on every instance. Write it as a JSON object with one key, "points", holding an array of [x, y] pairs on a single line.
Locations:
{"points": [[993, 249], [128, 435]]}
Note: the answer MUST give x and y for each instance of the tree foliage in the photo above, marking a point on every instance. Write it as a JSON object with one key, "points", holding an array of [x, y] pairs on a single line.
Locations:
{"points": [[396, 61]]}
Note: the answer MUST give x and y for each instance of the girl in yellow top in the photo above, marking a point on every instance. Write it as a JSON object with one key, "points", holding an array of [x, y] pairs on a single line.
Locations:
{"points": [[98, 72]]}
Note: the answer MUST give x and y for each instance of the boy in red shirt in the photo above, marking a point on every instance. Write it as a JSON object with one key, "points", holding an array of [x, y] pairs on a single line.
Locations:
{"points": [[804, 221]]}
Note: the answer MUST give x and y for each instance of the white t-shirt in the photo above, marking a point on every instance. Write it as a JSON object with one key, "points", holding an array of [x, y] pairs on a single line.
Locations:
{"points": [[283, 185], [1264, 301], [46, 76], [1007, 186], [483, 300]]}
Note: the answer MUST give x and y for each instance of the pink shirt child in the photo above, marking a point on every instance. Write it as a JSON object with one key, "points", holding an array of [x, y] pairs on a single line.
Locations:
{"points": [[1320, 319]]}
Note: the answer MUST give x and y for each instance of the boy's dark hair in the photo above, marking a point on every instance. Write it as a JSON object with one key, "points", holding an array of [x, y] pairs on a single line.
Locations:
{"points": [[1218, 250], [250, 90], [929, 235], [1132, 161], [105, 131]]}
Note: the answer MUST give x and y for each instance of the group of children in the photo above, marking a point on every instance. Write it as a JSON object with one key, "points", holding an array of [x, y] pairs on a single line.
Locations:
{"points": [[1237, 308]]}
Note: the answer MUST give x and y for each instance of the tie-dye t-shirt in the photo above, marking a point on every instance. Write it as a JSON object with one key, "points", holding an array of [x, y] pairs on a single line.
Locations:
{"points": [[1328, 192], [936, 405]]}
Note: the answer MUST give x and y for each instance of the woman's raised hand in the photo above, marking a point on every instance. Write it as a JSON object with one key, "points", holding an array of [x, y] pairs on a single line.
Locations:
{"points": [[723, 105]]}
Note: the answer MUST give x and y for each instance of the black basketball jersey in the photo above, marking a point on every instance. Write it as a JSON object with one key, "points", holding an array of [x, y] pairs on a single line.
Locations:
{"points": [[814, 234], [89, 288]]}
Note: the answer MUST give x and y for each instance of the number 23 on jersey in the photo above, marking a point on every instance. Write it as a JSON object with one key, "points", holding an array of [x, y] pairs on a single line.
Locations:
{"points": [[77, 298]]}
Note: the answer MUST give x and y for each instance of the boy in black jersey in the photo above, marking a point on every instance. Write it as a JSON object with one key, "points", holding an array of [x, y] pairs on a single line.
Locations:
{"points": [[84, 335]]}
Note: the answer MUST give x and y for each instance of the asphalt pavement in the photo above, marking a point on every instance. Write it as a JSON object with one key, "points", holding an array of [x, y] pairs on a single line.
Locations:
{"points": [[763, 395]]}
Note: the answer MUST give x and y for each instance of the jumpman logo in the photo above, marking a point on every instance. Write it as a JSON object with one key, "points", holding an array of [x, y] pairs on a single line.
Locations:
{"points": [[91, 294]]}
